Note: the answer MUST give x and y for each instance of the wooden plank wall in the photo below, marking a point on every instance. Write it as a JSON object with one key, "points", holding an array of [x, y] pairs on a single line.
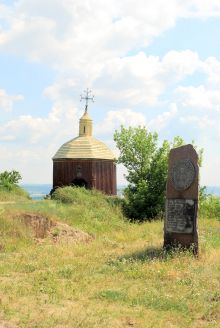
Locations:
{"points": [[99, 174]]}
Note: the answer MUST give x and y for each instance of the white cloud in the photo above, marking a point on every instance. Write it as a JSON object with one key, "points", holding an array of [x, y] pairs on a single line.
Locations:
{"points": [[32, 142], [84, 35], [60, 123], [97, 43], [34, 130], [7, 138], [199, 98], [202, 8], [114, 119], [206, 96], [211, 67], [162, 120], [178, 64], [80, 31], [142, 79], [133, 80], [34, 163], [201, 122], [7, 101], [208, 130], [90, 40]]}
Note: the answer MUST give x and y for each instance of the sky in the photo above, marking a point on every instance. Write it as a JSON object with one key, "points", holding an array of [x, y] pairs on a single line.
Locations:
{"points": [[149, 63]]}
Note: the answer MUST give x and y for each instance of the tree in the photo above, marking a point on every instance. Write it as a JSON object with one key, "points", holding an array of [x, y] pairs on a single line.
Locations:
{"points": [[9, 179], [147, 165]]}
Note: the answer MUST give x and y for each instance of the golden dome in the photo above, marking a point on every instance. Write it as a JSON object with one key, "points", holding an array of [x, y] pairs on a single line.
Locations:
{"points": [[84, 146]]}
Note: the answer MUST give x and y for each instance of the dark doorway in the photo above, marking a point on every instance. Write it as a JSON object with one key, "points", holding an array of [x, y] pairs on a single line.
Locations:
{"points": [[80, 183]]}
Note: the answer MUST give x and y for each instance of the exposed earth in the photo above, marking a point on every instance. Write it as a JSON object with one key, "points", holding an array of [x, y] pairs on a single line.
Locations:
{"points": [[44, 228]]}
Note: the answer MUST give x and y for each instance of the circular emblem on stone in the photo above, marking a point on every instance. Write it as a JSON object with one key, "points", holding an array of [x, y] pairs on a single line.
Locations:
{"points": [[183, 174]]}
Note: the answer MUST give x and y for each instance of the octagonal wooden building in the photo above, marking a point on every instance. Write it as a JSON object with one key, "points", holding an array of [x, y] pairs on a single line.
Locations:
{"points": [[85, 161]]}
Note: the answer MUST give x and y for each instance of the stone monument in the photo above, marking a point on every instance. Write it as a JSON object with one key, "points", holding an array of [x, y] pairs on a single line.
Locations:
{"points": [[180, 226]]}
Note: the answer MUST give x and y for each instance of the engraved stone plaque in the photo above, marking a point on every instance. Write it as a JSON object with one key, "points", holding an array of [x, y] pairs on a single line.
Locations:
{"points": [[180, 214], [183, 174], [180, 224]]}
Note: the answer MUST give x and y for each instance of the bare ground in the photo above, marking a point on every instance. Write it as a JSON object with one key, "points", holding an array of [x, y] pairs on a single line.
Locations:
{"points": [[45, 229], [7, 324]]}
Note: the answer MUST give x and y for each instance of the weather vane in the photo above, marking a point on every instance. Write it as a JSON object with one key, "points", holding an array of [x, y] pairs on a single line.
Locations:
{"points": [[88, 96]]}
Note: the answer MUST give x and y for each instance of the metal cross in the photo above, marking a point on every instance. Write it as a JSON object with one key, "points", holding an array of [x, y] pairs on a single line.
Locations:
{"points": [[87, 97]]}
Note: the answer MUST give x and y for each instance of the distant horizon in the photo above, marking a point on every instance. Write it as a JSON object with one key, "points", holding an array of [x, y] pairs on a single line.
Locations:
{"points": [[121, 185], [40, 190], [118, 185]]}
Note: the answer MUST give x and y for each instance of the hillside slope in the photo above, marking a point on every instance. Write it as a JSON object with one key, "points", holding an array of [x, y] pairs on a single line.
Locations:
{"points": [[120, 277]]}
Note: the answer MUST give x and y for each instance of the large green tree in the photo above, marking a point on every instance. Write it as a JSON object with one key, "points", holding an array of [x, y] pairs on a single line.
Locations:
{"points": [[147, 164]]}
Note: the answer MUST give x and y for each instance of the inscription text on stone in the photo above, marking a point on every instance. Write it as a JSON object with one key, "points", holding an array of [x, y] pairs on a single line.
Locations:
{"points": [[180, 214]]}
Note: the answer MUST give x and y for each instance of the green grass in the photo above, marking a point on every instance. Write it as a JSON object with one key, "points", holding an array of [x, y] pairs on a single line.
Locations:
{"points": [[14, 193], [123, 278], [210, 207]]}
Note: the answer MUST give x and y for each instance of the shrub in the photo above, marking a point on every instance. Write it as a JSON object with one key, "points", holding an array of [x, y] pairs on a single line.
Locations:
{"points": [[9, 190], [210, 207], [9, 179], [75, 195], [147, 165]]}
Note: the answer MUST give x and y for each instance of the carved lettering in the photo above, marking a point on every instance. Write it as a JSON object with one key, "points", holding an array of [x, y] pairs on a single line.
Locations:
{"points": [[180, 214]]}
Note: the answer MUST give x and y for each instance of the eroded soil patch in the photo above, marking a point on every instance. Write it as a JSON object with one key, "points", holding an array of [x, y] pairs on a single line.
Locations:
{"points": [[45, 228]]}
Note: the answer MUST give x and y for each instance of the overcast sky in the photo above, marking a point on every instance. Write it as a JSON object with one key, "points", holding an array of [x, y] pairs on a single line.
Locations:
{"points": [[153, 63]]}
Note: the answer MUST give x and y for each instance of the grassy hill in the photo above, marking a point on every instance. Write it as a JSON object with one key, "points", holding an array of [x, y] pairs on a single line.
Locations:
{"points": [[108, 273], [15, 193]]}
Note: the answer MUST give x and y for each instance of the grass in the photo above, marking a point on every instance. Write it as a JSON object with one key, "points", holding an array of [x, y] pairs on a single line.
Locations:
{"points": [[123, 278], [12, 194], [210, 206]]}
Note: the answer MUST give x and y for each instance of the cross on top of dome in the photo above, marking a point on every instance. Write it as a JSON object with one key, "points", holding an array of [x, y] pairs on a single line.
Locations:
{"points": [[87, 97]]}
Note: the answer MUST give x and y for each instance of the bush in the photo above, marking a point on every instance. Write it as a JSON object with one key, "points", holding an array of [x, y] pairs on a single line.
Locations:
{"points": [[91, 201], [210, 207], [115, 200], [9, 190], [9, 179], [83, 196], [147, 166], [74, 195], [90, 210]]}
